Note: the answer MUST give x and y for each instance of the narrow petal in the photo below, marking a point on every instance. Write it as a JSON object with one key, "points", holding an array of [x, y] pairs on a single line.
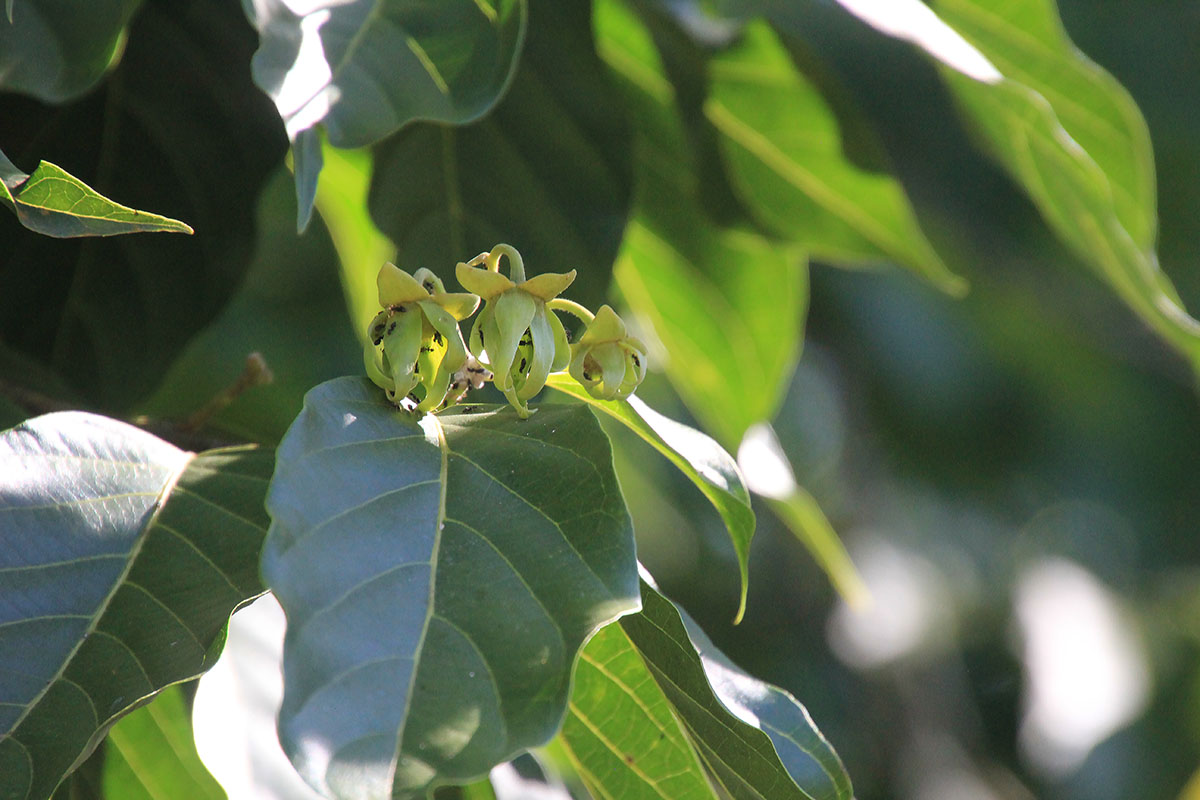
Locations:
{"points": [[396, 286], [578, 367], [611, 361], [476, 342], [402, 344], [374, 367], [543, 353], [483, 282], [633, 375], [562, 345], [377, 326], [446, 329], [548, 285], [429, 281], [514, 310]]}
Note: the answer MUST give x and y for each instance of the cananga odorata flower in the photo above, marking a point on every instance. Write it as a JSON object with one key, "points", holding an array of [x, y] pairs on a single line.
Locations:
{"points": [[607, 361], [415, 345], [515, 335]]}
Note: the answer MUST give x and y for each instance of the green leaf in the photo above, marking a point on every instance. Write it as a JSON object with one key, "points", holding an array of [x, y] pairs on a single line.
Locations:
{"points": [[621, 733], [726, 303], [439, 575], [365, 68], [150, 755], [702, 460], [1074, 140], [548, 171], [53, 202], [56, 51], [178, 128], [141, 553], [783, 148], [757, 740], [295, 318]]}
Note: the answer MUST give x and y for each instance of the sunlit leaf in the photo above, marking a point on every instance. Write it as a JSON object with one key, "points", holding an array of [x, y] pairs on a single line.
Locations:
{"points": [[150, 755], [548, 171], [757, 740], [53, 202], [141, 553], [621, 733], [699, 457], [784, 150], [439, 575], [57, 51]]}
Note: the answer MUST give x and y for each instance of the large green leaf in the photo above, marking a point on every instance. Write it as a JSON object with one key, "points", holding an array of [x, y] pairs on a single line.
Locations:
{"points": [[366, 68], [548, 171], [150, 755], [439, 575], [179, 128], [727, 303], [290, 310], [123, 558], [783, 148], [53, 202], [697, 456], [621, 734], [1075, 141], [757, 740], [54, 50]]}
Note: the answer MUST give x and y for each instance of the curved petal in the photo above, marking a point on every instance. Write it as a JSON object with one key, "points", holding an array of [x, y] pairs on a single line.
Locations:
{"points": [[429, 281], [446, 335], [374, 366], [633, 375], [543, 353], [378, 325], [396, 286], [562, 345], [460, 305], [402, 344], [548, 285], [514, 311], [475, 344], [611, 360], [606, 327], [483, 282]]}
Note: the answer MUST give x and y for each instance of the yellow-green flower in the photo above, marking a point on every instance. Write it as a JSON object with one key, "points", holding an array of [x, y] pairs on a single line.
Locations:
{"points": [[515, 335], [608, 362], [415, 344]]}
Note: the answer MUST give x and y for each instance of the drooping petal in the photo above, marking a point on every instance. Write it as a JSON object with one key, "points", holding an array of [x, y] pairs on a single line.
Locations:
{"points": [[459, 305], [562, 345], [611, 361], [548, 285], [402, 344], [633, 375], [514, 311], [483, 282], [374, 366], [397, 287], [476, 343], [543, 353], [636, 359], [377, 326], [446, 334]]}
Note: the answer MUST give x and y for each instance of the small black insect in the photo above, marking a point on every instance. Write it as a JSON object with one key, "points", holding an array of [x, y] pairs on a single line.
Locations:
{"points": [[429, 287], [521, 366], [636, 361], [392, 327], [437, 337]]}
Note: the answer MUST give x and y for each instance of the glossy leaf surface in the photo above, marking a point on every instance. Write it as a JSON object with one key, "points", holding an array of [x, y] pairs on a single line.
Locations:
{"points": [[548, 171], [141, 553], [55, 51], [783, 148], [714, 471], [1075, 141], [55, 203], [621, 734], [364, 68], [439, 576], [757, 740]]}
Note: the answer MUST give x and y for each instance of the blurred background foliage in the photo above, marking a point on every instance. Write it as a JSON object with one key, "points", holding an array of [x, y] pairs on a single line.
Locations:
{"points": [[1016, 473], [1030, 449]]}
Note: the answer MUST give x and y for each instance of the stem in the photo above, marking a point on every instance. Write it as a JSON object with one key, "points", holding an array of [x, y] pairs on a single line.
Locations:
{"points": [[516, 269], [256, 373], [571, 307]]}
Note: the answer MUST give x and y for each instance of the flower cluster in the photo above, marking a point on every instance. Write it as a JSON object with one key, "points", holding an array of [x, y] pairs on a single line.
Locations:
{"points": [[417, 355]]}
